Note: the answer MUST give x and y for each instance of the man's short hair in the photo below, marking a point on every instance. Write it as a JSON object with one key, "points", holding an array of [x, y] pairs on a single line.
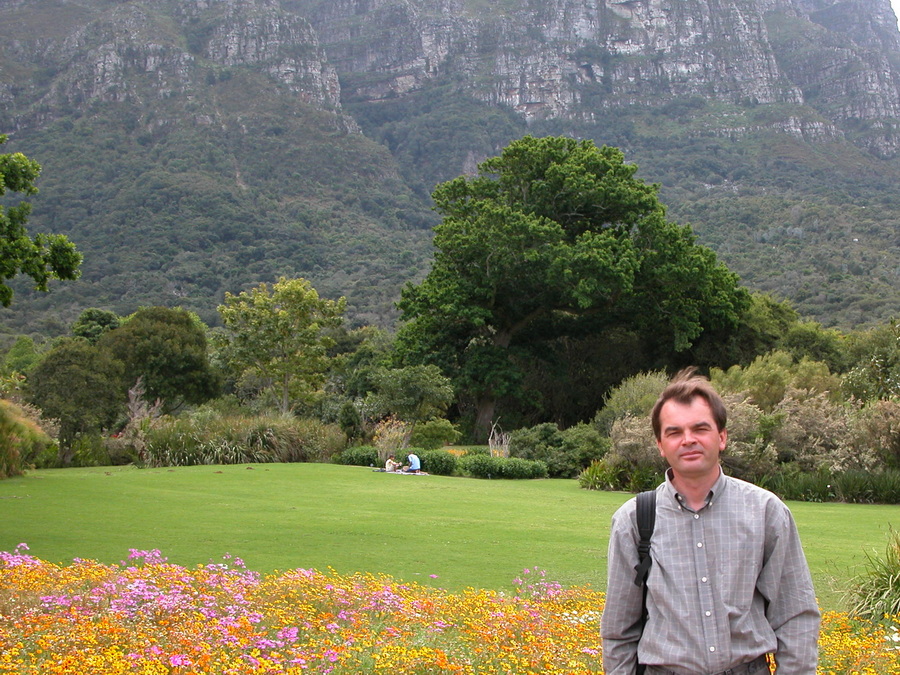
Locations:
{"points": [[684, 388]]}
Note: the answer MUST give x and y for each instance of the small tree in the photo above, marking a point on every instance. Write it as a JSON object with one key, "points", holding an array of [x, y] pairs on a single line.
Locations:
{"points": [[414, 394], [166, 349], [280, 336], [79, 385], [92, 323]]}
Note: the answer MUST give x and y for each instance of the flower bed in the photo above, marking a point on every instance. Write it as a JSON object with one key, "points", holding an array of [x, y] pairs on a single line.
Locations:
{"points": [[150, 617]]}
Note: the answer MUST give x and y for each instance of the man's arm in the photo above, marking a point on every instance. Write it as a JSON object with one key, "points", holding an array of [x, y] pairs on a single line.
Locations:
{"points": [[620, 626], [786, 583]]}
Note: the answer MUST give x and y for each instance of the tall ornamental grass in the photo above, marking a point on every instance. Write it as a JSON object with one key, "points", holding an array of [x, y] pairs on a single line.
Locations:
{"points": [[21, 439], [188, 441], [875, 593]]}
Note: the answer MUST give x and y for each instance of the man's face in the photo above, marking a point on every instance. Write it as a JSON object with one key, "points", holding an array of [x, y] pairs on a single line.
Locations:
{"points": [[689, 439]]}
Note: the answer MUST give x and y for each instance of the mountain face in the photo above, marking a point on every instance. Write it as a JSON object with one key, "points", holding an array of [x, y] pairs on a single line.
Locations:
{"points": [[571, 58], [199, 147]]}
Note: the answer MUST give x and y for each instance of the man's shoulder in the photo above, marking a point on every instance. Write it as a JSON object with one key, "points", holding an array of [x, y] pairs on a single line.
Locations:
{"points": [[741, 489]]}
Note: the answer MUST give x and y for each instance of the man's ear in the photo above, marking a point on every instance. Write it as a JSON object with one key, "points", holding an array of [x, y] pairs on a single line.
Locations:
{"points": [[723, 439]]}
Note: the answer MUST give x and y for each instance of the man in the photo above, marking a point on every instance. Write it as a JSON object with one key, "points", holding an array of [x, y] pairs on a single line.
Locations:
{"points": [[729, 582], [414, 465]]}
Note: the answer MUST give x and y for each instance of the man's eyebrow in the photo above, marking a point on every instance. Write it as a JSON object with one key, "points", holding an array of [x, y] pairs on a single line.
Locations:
{"points": [[678, 427]]}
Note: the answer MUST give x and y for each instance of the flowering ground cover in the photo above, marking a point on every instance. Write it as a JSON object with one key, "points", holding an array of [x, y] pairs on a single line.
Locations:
{"points": [[150, 617]]}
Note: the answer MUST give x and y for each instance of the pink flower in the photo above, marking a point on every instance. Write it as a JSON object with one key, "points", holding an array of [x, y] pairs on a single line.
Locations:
{"points": [[179, 660]]}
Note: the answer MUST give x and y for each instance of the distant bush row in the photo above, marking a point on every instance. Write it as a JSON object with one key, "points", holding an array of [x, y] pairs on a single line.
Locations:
{"points": [[475, 464]]}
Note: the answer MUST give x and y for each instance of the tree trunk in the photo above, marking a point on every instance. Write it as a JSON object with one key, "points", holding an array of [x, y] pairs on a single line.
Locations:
{"points": [[484, 417]]}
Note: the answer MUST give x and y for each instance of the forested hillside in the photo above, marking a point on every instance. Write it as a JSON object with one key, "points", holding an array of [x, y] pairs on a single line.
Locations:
{"points": [[195, 148]]}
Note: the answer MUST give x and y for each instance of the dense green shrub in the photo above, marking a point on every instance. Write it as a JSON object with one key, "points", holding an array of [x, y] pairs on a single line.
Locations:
{"points": [[596, 477], [886, 486], [360, 455], [485, 466], [434, 434], [793, 483], [236, 440], [21, 439], [876, 427], [566, 453], [615, 473], [478, 465], [875, 593], [518, 468], [439, 462], [768, 378], [635, 396]]}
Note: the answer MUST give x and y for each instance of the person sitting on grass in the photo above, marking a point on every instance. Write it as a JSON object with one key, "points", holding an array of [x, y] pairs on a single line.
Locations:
{"points": [[414, 466], [391, 464]]}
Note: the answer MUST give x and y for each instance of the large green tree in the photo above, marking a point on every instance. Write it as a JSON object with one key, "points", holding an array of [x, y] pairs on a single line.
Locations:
{"points": [[555, 237], [167, 349], [280, 335], [42, 257]]}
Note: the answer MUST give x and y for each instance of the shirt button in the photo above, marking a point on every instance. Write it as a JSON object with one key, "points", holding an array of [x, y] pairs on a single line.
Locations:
{"points": [[708, 613], [703, 579], [699, 544], [696, 516], [712, 649]]}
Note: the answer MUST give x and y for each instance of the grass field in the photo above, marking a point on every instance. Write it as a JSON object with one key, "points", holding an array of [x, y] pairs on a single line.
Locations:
{"points": [[448, 532]]}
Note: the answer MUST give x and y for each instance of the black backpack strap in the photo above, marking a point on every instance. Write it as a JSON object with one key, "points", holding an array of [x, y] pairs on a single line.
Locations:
{"points": [[646, 519]]}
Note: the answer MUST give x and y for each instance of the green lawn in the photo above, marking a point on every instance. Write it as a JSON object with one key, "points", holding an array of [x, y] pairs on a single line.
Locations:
{"points": [[466, 532]]}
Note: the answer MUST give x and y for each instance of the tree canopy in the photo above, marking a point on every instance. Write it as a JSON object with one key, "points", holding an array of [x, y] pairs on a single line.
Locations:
{"points": [[42, 257], [555, 237], [80, 386], [279, 334], [166, 348]]}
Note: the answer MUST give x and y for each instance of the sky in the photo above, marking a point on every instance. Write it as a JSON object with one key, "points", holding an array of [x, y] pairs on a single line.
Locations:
{"points": [[896, 5]]}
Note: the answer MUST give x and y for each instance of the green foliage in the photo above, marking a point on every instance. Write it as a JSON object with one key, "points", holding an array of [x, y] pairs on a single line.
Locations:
{"points": [[21, 439], [598, 477], [434, 434], [566, 453], [186, 441], [22, 356], [278, 335], [875, 363], [360, 455], [92, 323], [808, 340], [412, 394], [874, 594], [552, 236], [634, 396], [165, 348], [350, 420], [485, 466], [615, 472], [439, 462], [876, 426], [768, 378], [81, 386], [42, 257]]}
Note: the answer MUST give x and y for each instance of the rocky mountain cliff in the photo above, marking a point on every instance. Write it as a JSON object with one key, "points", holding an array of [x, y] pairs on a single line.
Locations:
{"points": [[200, 146], [571, 58]]}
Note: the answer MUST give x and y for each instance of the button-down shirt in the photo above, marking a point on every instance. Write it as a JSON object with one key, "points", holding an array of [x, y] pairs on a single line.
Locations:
{"points": [[728, 583]]}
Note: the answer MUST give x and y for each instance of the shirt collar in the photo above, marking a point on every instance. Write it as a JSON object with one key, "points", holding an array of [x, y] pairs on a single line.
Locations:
{"points": [[716, 490]]}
